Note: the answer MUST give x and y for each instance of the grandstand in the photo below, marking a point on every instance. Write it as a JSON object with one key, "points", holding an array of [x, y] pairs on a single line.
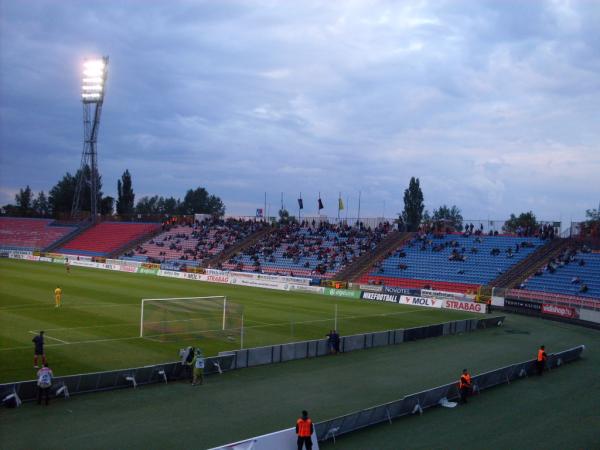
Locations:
{"points": [[105, 238], [568, 275], [192, 244], [308, 249], [457, 262], [20, 233]]}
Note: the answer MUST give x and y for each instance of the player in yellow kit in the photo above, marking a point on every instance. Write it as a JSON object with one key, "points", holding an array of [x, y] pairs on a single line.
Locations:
{"points": [[57, 296]]}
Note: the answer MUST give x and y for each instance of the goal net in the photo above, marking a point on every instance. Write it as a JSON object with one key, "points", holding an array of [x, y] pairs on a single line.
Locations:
{"points": [[174, 319]]}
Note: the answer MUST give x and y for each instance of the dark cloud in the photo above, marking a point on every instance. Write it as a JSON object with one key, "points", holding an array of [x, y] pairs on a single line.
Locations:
{"points": [[493, 105]]}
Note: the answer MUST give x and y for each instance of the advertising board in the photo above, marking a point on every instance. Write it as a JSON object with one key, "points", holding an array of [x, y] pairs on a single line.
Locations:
{"points": [[523, 305], [560, 310], [341, 293], [380, 297], [402, 291], [465, 306], [421, 301]]}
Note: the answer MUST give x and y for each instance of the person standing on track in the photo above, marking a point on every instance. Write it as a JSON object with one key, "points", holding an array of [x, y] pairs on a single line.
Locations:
{"points": [[304, 430], [464, 385], [39, 349], [44, 383], [198, 368], [57, 296], [540, 362]]}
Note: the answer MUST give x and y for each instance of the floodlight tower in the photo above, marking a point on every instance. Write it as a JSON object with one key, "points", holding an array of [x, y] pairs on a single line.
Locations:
{"points": [[92, 96]]}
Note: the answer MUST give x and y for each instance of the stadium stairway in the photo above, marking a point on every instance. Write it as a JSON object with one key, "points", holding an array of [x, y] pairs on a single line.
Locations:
{"points": [[81, 228], [524, 269], [390, 244], [226, 254]]}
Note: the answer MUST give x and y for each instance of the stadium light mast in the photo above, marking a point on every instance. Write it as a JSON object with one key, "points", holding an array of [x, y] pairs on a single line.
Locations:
{"points": [[95, 72]]}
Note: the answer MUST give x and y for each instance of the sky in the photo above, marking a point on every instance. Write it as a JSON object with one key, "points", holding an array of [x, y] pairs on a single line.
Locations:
{"points": [[493, 105]]}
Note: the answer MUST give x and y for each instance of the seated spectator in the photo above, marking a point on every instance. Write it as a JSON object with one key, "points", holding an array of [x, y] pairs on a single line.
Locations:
{"points": [[575, 280], [583, 289]]}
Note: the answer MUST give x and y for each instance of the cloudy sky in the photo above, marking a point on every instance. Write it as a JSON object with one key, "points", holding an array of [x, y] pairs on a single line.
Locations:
{"points": [[494, 105]]}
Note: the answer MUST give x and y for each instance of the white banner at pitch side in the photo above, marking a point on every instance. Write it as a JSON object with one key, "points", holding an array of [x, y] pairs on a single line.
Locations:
{"points": [[279, 440], [465, 306]]}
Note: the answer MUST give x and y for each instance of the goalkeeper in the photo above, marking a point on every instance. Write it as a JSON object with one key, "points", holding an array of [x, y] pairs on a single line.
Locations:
{"points": [[198, 367]]}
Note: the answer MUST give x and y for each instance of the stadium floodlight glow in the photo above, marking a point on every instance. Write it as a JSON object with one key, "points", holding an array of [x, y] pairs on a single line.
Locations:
{"points": [[94, 77]]}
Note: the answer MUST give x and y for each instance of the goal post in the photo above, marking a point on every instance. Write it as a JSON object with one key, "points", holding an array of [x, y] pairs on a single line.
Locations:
{"points": [[212, 316]]}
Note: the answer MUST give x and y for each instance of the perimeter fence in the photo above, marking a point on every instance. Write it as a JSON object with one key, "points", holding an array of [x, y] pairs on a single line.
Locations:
{"points": [[416, 403], [238, 359]]}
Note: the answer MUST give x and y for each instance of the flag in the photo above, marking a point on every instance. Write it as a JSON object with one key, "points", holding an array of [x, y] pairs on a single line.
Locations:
{"points": [[259, 212], [340, 204], [320, 204], [300, 203]]}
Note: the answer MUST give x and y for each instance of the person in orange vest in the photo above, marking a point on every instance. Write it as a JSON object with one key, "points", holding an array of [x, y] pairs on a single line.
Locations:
{"points": [[541, 360], [304, 430], [464, 386]]}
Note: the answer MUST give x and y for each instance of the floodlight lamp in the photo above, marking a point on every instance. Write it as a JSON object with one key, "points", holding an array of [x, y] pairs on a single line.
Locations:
{"points": [[94, 76]]}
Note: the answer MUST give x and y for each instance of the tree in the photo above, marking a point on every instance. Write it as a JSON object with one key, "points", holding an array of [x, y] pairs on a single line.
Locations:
{"points": [[448, 217], [524, 221], [40, 205], [285, 218], [23, 201], [170, 205], [413, 205], [62, 194], [148, 205], [125, 194], [107, 205], [198, 201]]}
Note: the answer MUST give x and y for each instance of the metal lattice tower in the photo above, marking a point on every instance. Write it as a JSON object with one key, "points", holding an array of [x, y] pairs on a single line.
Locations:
{"points": [[92, 96]]}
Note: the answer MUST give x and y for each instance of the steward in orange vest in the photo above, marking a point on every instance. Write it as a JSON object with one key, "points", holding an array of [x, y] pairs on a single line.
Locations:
{"points": [[304, 430], [541, 360], [464, 385]]}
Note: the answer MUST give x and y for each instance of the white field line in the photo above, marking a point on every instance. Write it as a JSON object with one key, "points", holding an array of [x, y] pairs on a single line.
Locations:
{"points": [[70, 305], [50, 337], [264, 325]]}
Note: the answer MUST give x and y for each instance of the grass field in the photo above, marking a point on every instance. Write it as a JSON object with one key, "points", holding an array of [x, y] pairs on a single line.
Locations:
{"points": [[97, 328], [557, 411]]}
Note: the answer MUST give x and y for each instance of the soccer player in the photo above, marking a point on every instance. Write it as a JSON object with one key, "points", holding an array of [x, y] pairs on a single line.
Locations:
{"points": [[39, 349], [67, 265], [57, 296]]}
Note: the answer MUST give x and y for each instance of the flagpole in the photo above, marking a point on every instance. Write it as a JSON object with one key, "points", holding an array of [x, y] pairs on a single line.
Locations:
{"points": [[319, 207], [347, 208], [339, 199], [358, 220], [299, 209], [265, 210]]}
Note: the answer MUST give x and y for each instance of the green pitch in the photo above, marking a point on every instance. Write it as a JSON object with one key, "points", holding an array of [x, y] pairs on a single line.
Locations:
{"points": [[97, 326]]}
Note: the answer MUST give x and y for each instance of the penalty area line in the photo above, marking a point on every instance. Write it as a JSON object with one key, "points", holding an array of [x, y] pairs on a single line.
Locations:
{"points": [[50, 337]]}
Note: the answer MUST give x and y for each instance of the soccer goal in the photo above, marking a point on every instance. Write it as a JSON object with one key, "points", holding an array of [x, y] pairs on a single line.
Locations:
{"points": [[180, 318]]}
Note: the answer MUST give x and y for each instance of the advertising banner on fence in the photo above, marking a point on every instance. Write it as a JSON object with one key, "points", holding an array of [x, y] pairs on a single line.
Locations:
{"points": [[266, 284], [342, 293], [147, 271], [170, 274], [370, 287], [380, 297], [443, 295], [560, 310], [215, 278], [421, 301], [402, 291], [465, 306], [302, 288]]}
